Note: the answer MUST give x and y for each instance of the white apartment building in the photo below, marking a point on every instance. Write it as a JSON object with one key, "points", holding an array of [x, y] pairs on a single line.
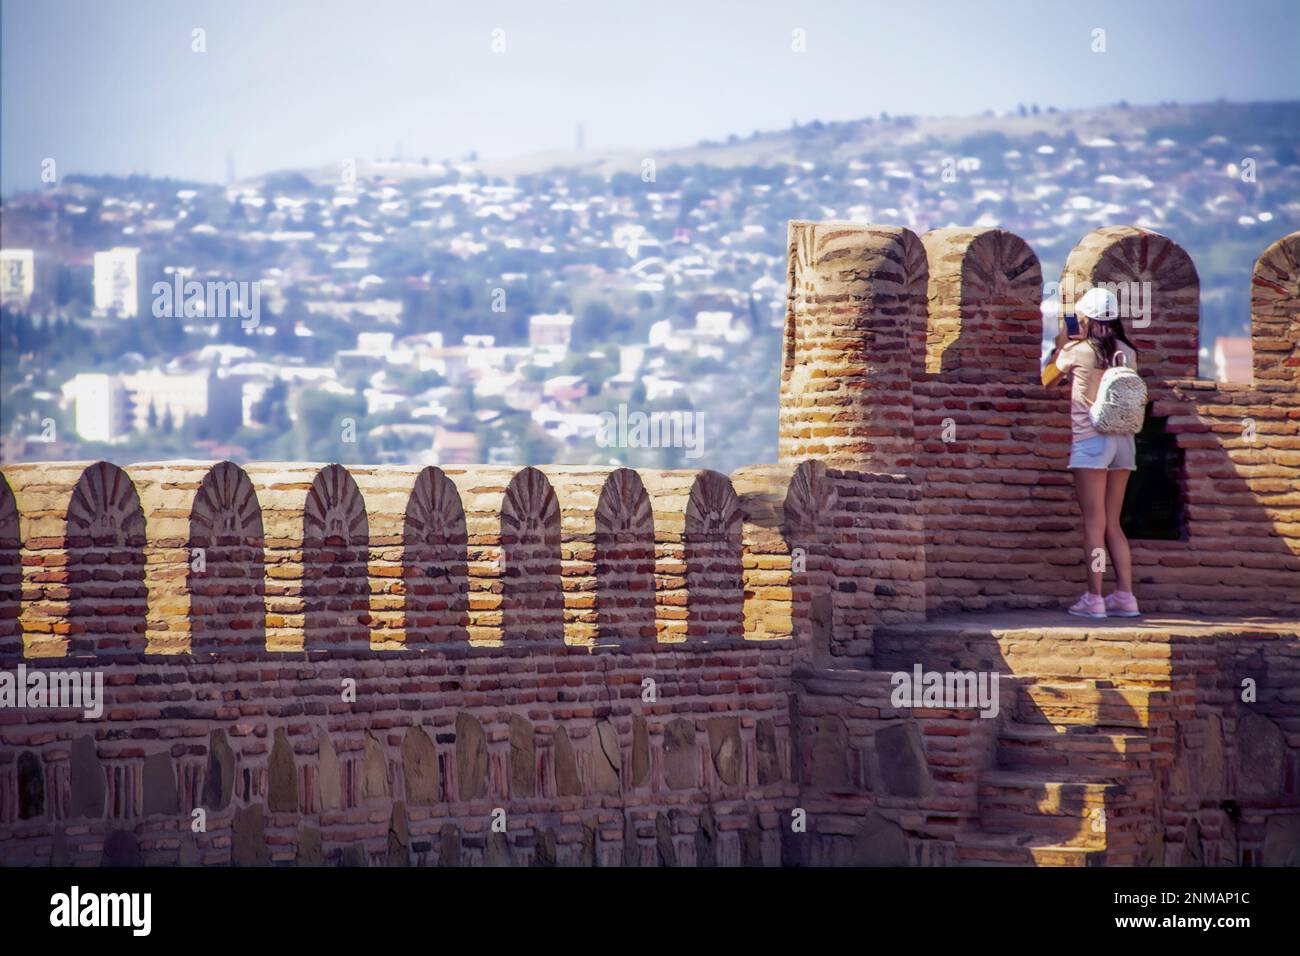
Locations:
{"points": [[109, 407], [101, 406], [630, 358], [185, 395], [17, 276], [553, 330], [123, 281]]}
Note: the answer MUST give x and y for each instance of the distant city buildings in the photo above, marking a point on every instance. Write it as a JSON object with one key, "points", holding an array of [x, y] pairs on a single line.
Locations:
{"points": [[17, 276], [565, 389], [451, 447], [109, 408], [381, 299], [158, 396], [550, 331], [123, 280], [101, 406]]}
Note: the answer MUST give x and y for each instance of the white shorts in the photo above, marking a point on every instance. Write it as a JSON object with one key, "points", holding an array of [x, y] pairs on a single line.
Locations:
{"points": [[1111, 452]]}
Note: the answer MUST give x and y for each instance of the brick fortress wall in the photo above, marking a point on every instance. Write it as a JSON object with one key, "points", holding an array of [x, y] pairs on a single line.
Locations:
{"points": [[376, 664], [988, 444]]}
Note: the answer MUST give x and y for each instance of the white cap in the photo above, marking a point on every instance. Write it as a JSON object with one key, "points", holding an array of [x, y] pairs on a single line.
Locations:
{"points": [[1098, 305]]}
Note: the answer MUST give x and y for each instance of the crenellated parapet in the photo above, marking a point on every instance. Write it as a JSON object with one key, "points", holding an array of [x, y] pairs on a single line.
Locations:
{"points": [[985, 287], [1275, 313], [376, 664], [1158, 290], [11, 574], [855, 299], [1219, 463], [907, 356], [371, 664], [86, 596], [211, 560]]}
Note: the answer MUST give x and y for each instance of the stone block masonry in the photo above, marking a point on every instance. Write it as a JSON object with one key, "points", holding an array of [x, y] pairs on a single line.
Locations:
{"points": [[376, 664], [991, 443], [309, 663]]}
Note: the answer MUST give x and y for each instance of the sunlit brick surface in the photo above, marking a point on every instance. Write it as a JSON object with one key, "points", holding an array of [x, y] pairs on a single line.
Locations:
{"points": [[372, 664]]}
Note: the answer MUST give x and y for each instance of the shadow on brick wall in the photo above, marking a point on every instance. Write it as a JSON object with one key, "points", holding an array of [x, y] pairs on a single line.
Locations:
{"points": [[625, 560], [226, 575], [714, 582], [532, 595], [11, 575], [335, 588], [105, 552], [435, 562]]}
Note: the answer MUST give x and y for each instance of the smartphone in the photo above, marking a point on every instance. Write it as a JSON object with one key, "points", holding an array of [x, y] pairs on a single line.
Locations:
{"points": [[1071, 325]]}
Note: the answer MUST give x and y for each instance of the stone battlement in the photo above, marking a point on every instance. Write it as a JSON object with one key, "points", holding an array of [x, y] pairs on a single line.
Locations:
{"points": [[210, 559], [369, 664], [921, 356]]}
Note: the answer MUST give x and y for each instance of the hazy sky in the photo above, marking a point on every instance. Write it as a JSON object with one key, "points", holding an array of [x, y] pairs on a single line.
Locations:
{"points": [[111, 86]]}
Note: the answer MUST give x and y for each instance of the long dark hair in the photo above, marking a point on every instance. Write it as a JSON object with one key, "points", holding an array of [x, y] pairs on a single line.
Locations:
{"points": [[1104, 337]]}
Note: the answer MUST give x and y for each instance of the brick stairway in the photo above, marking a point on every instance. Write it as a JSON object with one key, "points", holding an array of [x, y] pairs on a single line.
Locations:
{"points": [[1073, 783]]}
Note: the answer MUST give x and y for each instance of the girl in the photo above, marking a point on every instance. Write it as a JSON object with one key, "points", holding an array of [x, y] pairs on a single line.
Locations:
{"points": [[1100, 463]]}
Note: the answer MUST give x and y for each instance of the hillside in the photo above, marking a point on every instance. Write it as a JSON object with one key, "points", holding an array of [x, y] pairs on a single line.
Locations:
{"points": [[1271, 125]]}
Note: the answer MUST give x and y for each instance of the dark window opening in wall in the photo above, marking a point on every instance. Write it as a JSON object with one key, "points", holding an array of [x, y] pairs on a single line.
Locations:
{"points": [[1155, 502]]}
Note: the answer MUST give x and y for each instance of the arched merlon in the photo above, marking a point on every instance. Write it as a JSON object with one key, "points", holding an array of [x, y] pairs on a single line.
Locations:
{"points": [[227, 572], [418, 559], [670, 492], [985, 304], [11, 574], [1158, 290], [1275, 312], [228, 561], [715, 592], [787, 560], [82, 530], [578, 491], [625, 560], [855, 309], [195, 511], [482, 491], [532, 593], [316, 539]]}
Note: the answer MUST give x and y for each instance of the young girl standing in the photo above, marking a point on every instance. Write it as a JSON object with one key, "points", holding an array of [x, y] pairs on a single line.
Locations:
{"points": [[1100, 463]]}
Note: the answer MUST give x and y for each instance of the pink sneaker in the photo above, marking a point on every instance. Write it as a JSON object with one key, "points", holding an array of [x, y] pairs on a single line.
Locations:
{"points": [[1122, 604], [1090, 606]]}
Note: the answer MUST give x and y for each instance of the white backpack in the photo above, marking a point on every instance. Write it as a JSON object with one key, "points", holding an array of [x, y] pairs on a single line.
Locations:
{"points": [[1121, 402]]}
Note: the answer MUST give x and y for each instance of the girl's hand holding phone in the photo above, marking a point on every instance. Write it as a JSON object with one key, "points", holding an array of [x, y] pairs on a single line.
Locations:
{"points": [[1067, 328], [1062, 334]]}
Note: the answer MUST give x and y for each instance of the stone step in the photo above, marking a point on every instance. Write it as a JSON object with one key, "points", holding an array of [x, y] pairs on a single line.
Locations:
{"points": [[1076, 811], [991, 848], [1061, 793], [1089, 703], [1048, 747], [1061, 831], [1072, 786]]}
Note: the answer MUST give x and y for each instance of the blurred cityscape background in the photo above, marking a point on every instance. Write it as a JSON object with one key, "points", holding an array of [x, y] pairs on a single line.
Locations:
{"points": [[489, 308]]}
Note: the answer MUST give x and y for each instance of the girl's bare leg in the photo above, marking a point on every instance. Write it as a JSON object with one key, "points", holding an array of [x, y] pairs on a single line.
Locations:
{"points": [[1090, 488], [1116, 542]]}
